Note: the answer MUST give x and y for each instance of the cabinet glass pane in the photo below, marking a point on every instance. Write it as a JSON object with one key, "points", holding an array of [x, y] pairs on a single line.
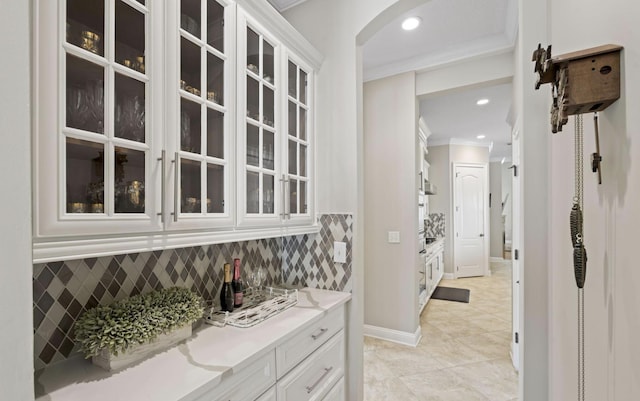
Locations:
{"points": [[190, 16], [303, 197], [85, 24], [253, 145], [292, 157], [253, 192], [303, 124], [85, 176], [253, 51], [215, 25], [129, 108], [268, 59], [268, 109], [268, 147], [293, 119], [215, 188], [303, 161], [189, 67], [215, 79], [293, 196], [85, 95], [268, 183], [253, 99], [190, 186], [190, 125], [303, 87], [293, 80], [215, 134], [130, 35], [129, 180]]}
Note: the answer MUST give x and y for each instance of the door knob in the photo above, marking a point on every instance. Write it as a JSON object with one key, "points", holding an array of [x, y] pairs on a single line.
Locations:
{"points": [[482, 235]]}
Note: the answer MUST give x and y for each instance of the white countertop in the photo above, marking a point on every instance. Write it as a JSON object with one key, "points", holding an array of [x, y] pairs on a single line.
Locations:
{"points": [[199, 362]]}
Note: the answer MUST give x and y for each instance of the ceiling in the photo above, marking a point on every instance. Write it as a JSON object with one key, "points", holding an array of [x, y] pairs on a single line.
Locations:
{"points": [[455, 117], [451, 31]]}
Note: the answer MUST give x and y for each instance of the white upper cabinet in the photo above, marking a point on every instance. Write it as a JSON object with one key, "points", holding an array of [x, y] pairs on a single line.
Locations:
{"points": [[299, 149], [98, 100], [199, 119], [260, 185], [175, 123]]}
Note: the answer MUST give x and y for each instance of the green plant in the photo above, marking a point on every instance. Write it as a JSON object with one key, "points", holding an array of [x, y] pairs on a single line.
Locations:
{"points": [[136, 320]]}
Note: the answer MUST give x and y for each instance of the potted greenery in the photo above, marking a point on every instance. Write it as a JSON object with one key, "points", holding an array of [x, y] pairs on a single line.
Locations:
{"points": [[127, 331]]}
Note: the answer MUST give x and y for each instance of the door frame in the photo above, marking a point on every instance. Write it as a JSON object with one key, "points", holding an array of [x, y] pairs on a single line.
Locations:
{"points": [[517, 235], [485, 167]]}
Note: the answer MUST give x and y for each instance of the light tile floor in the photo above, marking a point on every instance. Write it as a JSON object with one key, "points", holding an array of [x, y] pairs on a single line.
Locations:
{"points": [[463, 354]]}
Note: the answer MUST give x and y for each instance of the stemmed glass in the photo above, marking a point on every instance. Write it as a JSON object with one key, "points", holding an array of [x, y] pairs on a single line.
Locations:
{"points": [[257, 277]]}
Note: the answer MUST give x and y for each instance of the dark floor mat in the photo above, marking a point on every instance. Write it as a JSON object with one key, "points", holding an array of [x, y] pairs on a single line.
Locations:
{"points": [[451, 294]]}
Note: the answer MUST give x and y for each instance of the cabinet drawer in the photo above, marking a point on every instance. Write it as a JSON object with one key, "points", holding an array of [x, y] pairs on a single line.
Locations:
{"points": [[314, 377], [246, 384], [269, 395], [336, 393], [306, 341]]}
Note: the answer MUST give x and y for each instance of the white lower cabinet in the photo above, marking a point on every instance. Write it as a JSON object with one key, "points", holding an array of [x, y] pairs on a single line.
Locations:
{"points": [[269, 395], [247, 384], [337, 392], [316, 375], [308, 366]]}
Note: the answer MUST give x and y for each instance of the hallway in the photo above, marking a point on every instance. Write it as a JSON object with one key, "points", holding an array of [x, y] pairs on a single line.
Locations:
{"points": [[463, 354]]}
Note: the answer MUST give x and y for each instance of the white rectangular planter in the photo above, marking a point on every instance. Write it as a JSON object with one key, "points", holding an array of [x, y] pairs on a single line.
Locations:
{"points": [[134, 354]]}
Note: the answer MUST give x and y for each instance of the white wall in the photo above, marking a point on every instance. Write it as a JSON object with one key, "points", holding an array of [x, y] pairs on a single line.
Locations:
{"points": [[16, 311], [338, 28], [612, 217], [494, 69], [391, 165], [532, 113], [495, 211]]}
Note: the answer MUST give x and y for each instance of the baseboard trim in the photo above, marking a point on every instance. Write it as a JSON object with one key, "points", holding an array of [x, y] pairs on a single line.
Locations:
{"points": [[449, 276], [497, 259], [396, 336]]}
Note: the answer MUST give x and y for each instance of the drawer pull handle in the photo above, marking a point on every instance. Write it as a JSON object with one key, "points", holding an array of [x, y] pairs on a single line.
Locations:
{"points": [[314, 385], [316, 336]]}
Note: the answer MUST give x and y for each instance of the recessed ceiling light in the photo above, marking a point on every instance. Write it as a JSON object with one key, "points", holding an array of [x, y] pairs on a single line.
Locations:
{"points": [[482, 102], [411, 23], [481, 136]]}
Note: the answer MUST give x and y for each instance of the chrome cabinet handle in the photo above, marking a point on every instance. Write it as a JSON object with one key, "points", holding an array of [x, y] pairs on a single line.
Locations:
{"points": [[162, 160], [176, 186], [314, 385], [322, 331], [287, 209], [282, 182]]}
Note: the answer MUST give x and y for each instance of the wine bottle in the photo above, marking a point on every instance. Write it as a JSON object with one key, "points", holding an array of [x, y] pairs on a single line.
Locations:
{"points": [[237, 284], [226, 293]]}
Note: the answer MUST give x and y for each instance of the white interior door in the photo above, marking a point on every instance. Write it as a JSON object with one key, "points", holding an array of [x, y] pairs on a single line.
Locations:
{"points": [[516, 247], [470, 220]]}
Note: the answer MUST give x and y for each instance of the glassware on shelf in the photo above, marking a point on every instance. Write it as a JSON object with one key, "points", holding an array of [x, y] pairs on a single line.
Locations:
{"points": [[185, 132], [77, 107], [77, 207], [90, 41]]}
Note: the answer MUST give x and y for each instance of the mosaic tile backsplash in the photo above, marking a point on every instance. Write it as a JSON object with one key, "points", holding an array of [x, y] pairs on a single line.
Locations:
{"points": [[63, 290], [434, 224], [308, 260]]}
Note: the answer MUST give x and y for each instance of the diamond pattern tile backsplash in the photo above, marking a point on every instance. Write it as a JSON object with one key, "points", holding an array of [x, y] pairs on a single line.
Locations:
{"points": [[434, 224], [308, 260], [63, 290]]}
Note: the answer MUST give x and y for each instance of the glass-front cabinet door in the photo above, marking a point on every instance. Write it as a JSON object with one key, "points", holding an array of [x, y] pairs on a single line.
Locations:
{"points": [[299, 155], [200, 114], [97, 152], [260, 184]]}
